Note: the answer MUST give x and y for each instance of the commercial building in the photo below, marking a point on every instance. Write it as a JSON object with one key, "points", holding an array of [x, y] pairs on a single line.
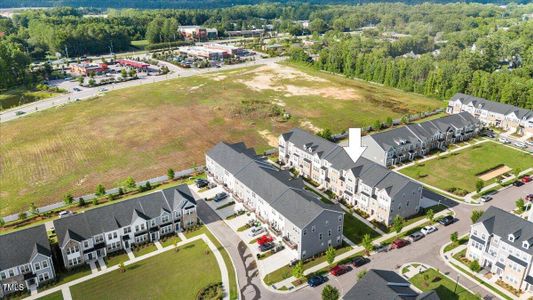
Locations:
{"points": [[501, 115], [91, 235], [246, 33], [139, 65], [198, 33], [409, 142], [203, 52], [503, 244], [306, 224], [86, 69], [229, 50], [383, 284], [366, 185], [25, 260]]}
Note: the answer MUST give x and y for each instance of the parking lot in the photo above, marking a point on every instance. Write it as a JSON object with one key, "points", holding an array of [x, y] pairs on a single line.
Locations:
{"points": [[224, 209]]}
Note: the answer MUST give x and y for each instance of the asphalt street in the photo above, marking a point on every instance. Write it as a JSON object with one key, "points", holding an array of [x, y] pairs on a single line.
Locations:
{"points": [[426, 250]]}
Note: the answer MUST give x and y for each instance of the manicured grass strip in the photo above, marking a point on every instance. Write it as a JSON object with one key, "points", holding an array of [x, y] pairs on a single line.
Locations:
{"points": [[165, 276], [467, 163], [354, 229], [322, 198], [445, 288], [495, 290], [452, 246], [53, 296], [226, 205], [227, 260], [115, 259], [171, 240], [144, 249]]}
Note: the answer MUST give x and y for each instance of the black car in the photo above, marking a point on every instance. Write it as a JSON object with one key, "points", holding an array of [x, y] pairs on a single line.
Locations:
{"points": [[518, 183], [200, 183], [447, 220], [266, 247], [360, 261], [220, 196], [316, 280]]}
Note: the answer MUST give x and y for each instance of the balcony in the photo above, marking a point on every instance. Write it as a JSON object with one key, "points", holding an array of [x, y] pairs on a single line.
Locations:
{"points": [[260, 218], [290, 243], [248, 207], [274, 230]]}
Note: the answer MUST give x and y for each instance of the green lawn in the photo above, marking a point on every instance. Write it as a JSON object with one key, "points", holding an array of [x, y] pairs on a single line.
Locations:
{"points": [[354, 229], [144, 249], [140, 44], [20, 96], [53, 296], [116, 259], [121, 134], [166, 276], [466, 164], [171, 240], [442, 285]]}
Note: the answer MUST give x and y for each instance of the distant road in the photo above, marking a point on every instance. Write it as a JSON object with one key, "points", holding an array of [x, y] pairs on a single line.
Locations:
{"points": [[87, 93]]}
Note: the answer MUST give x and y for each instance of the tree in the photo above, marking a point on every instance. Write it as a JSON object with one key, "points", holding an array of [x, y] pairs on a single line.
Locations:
{"points": [[81, 202], [325, 133], [132, 73], [2, 222], [330, 255], [479, 185], [122, 267], [474, 266], [476, 214], [148, 186], [454, 237], [170, 174], [120, 191], [33, 209], [366, 242], [81, 80], [376, 125], [405, 120], [361, 274], [92, 82], [298, 270], [123, 73], [330, 293], [68, 199], [430, 215], [130, 183], [520, 205], [398, 223], [100, 190]]}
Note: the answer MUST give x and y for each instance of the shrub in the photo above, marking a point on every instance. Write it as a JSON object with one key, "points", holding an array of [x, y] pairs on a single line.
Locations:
{"points": [[474, 266]]}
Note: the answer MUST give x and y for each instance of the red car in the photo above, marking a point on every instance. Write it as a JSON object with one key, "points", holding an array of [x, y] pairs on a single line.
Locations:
{"points": [[526, 179], [399, 243], [265, 239], [339, 270]]}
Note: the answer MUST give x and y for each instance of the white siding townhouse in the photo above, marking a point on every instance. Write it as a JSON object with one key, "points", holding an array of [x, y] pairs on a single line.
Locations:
{"points": [[409, 142], [91, 235], [501, 115], [378, 191], [25, 260], [299, 217], [503, 244]]}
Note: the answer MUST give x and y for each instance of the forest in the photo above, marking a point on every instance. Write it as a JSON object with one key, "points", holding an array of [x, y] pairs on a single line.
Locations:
{"points": [[433, 49]]}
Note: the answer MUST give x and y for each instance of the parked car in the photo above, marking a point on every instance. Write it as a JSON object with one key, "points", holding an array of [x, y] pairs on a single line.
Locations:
{"points": [[277, 248], [381, 248], [428, 229], [19, 112], [65, 213], [200, 183], [339, 270], [447, 220], [518, 183], [220, 196], [504, 140], [485, 198], [293, 262], [359, 261], [529, 197], [415, 236], [316, 280], [256, 231], [526, 179], [520, 145], [529, 143], [77, 89], [266, 247], [102, 89], [489, 133], [399, 243]]}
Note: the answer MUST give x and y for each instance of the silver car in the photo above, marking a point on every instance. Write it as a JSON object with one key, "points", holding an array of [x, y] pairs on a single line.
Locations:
{"points": [[415, 236]]}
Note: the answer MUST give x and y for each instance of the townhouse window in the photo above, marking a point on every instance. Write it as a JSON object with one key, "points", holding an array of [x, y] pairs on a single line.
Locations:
{"points": [[339, 228], [340, 218], [45, 264], [136, 227], [37, 266], [305, 231], [164, 219], [99, 238], [320, 236], [85, 244], [24, 269], [3, 275], [11, 273], [109, 236], [115, 235], [329, 232], [127, 230]]}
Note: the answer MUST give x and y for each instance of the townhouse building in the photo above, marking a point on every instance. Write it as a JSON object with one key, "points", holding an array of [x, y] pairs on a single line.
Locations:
{"points": [[503, 244], [91, 235], [491, 113], [25, 260], [306, 224], [366, 185], [384, 284], [409, 142]]}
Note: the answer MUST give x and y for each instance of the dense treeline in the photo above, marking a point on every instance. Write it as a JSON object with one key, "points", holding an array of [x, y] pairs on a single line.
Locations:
{"points": [[159, 4]]}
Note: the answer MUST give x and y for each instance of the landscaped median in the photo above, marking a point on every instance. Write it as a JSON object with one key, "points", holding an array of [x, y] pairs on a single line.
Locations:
{"points": [[446, 288]]}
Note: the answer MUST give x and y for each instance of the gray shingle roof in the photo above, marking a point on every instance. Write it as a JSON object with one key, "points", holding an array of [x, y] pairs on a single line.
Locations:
{"points": [[115, 216], [382, 284], [283, 192], [493, 106], [19, 247], [502, 223], [372, 174]]}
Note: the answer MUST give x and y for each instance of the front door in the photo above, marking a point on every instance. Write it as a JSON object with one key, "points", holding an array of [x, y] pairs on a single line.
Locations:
{"points": [[89, 256], [126, 244], [154, 236]]}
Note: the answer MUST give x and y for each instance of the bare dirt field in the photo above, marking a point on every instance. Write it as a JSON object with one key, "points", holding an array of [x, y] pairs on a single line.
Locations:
{"points": [[145, 130], [494, 173]]}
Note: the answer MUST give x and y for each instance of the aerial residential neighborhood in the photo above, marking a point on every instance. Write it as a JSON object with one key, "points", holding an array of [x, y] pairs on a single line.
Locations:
{"points": [[236, 150]]}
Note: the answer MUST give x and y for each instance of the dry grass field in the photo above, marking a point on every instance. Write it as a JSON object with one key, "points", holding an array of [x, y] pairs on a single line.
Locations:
{"points": [[143, 131]]}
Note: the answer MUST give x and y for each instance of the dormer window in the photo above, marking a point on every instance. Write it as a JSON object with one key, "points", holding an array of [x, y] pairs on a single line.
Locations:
{"points": [[511, 238], [525, 245]]}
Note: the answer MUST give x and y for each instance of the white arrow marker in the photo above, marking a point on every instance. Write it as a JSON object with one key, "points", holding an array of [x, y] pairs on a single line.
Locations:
{"points": [[354, 149]]}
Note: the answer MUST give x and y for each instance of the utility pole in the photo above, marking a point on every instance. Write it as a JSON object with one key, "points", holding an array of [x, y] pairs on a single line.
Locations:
{"points": [[456, 284], [66, 51]]}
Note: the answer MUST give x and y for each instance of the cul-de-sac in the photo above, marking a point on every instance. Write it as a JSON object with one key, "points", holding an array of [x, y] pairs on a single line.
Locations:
{"points": [[246, 149]]}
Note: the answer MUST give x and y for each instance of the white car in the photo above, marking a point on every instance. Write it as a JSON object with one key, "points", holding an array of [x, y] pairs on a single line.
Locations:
{"points": [[485, 198], [65, 213], [520, 145], [256, 231], [428, 229], [529, 143], [504, 140]]}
